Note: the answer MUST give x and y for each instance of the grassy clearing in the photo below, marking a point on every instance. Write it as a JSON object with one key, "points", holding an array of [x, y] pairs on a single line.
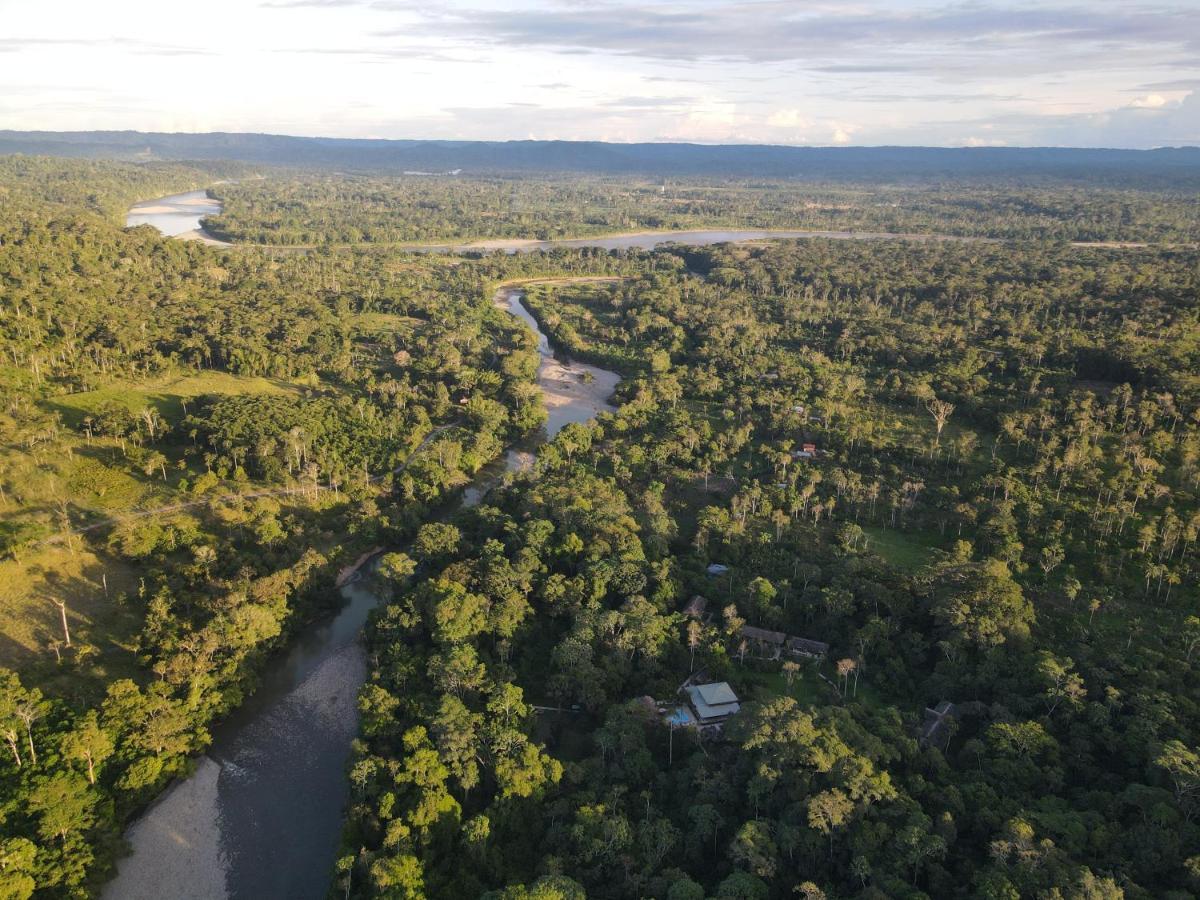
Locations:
{"points": [[166, 395], [906, 550], [807, 689], [29, 618], [372, 323], [49, 490], [95, 475], [907, 426]]}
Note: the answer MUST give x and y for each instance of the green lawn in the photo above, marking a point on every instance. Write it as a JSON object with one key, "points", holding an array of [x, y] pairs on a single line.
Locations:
{"points": [[807, 689], [29, 620], [80, 481], [907, 550], [380, 323], [167, 395]]}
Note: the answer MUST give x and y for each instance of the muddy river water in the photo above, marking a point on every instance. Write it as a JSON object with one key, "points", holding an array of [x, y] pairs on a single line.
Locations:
{"points": [[261, 815]]}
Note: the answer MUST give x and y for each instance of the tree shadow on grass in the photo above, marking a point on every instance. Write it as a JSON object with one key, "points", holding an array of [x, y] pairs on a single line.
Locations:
{"points": [[101, 628]]}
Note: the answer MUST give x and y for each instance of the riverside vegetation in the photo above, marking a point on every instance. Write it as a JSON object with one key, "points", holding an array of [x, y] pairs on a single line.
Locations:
{"points": [[194, 442], [1003, 513], [307, 208]]}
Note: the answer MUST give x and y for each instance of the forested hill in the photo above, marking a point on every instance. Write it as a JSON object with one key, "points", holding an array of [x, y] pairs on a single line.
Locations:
{"points": [[39, 189], [1168, 165]]}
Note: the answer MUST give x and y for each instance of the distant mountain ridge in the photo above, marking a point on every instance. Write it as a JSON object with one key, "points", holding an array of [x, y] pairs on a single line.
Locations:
{"points": [[1176, 165]]}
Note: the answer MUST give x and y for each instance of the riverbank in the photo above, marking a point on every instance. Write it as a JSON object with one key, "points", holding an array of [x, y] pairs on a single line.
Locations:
{"points": [[199, 234], [572, 391], [650, 240], [629, 240], [262, 813], [179, 216]]}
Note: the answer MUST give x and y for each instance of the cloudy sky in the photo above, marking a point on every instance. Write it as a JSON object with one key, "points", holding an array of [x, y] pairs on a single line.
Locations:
{"points": [[1118, 73]]}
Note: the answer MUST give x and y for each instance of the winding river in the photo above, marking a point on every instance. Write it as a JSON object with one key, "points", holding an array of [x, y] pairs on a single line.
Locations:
{"points": [[177, 215], [261, 815]]}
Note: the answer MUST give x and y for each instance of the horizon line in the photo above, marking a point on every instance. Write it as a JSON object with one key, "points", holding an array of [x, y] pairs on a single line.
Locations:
{"points": [[585, 141]]}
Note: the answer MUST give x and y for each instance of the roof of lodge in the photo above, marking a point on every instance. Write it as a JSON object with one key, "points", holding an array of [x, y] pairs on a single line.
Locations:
{"points": [[713, 701], [763, 634], [807, 644], [716, 694]]}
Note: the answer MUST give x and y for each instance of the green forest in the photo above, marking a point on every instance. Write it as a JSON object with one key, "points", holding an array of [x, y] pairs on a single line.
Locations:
{"points": [[926, 511], [1001, 513], [313, 208], [194, 442]]}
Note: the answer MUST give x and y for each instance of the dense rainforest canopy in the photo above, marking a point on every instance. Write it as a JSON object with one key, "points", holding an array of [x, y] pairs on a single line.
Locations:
{"points": [[194, 441], [1000, 514], [305, 208], [966, 474]]}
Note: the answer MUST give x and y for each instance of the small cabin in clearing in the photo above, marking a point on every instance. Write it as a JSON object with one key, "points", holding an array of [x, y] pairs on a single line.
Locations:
{"points": [[773, 644], [717, 569], [808, 649]]}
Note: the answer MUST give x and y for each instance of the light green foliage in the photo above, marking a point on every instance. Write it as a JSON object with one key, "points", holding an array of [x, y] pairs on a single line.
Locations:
{"points": [[1027, 556], [182, 427]]}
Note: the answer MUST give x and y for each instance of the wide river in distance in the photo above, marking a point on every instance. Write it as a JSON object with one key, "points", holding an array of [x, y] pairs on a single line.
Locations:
{"points": [[178, 214]]}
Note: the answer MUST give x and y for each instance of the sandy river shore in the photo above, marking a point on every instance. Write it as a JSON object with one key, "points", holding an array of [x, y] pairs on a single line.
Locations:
{"points": [[199, 234], [572, 391]]}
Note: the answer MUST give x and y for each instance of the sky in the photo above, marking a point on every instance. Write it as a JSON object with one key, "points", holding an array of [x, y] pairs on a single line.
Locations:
{"points": [[1111, 73]]}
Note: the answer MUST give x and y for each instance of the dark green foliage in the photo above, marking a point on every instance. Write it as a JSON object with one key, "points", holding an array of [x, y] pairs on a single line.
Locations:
{"points": [[1068, 767], [1020, 421], [319, 209]]}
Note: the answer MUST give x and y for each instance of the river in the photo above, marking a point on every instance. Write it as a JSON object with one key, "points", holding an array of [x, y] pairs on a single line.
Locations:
{"points": [[261, 815], [180, 215], [648, 240], [177, 215]]}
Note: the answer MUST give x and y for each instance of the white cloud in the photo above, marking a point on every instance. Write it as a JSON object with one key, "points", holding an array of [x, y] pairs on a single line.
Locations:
{"points": [[787, 118], [1150, 101], [842, 133], [872, 71]]}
